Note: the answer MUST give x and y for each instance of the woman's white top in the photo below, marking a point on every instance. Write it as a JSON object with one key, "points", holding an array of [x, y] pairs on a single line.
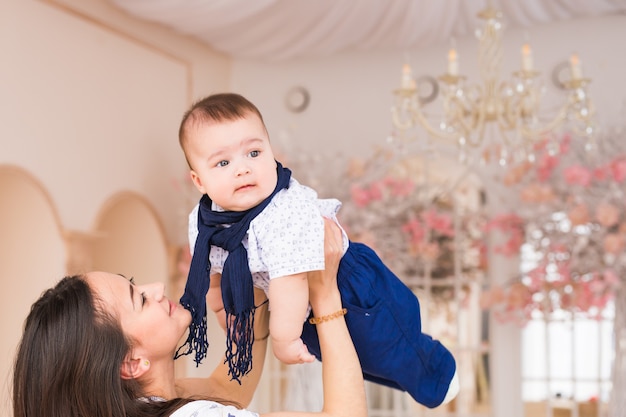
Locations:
{"points": [[204, 408]]}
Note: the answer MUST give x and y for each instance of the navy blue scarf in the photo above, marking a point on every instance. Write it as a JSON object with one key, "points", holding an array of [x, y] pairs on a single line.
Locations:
{"points": [[237, 288]]}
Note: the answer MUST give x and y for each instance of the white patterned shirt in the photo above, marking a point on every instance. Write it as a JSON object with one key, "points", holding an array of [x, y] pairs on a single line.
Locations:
{"points": [[286, 238], [205, 408]]}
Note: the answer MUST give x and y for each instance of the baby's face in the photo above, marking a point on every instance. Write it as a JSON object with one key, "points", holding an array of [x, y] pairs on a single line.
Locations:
{"points": [[232, 161]]}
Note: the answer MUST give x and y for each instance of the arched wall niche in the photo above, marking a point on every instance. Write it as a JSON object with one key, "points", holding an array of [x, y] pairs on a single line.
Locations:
{"points": [[32, 258], [128, 237]]}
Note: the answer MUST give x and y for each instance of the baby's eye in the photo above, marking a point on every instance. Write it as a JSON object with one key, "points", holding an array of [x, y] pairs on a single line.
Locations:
{"points": [[143, 299], [254, 154], [222, 163]]}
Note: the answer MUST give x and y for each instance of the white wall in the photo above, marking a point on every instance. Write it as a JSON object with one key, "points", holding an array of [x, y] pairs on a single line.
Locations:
{"points": [[90, 109]]}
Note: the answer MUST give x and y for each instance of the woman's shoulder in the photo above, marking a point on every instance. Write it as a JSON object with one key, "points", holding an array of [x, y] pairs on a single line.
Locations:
{"points": [[206, 408]]}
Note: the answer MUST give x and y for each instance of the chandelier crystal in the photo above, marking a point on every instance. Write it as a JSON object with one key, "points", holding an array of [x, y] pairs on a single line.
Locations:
{"points": [[509, 111]]}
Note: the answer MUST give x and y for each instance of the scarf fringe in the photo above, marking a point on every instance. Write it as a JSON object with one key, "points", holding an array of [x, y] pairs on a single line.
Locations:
{"points": [[239, 340], [196, 341]]}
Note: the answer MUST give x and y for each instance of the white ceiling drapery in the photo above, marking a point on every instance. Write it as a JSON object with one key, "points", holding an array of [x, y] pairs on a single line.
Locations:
{"points": [[286, 29]]}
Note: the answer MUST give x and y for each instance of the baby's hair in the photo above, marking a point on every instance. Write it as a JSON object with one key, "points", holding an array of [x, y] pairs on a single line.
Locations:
{"points": [[215, 108]]}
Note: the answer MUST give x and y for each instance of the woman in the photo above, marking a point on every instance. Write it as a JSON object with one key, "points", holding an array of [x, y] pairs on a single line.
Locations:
{"points": [[97, 345]]}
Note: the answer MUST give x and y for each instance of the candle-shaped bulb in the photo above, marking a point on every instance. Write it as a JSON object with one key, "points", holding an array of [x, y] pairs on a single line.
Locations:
{"points": [[407, 77], [575, 68], [453, 63], [527, 58]]}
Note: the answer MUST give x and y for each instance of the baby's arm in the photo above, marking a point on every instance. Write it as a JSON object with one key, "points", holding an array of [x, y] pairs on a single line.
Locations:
{"points": [[289, 302], [214, 299]]}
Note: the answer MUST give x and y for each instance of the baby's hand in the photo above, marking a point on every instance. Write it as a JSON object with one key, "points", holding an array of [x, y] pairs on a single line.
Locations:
{"points": [[292, 352]]}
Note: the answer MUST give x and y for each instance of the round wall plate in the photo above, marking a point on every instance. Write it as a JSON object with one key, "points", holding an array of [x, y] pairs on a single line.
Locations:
{"points": [[297, 99]]}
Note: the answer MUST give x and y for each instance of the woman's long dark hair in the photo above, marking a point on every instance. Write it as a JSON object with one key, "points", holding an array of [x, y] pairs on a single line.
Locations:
{"points": [[69, 359]]}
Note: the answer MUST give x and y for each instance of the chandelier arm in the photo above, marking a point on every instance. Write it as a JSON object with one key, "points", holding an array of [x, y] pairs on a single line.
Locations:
{"points": [[508, 118], [535, 133], [511, 109], [477, 115], [477, 139], [406, 123], [401, 125], [423, 121]]}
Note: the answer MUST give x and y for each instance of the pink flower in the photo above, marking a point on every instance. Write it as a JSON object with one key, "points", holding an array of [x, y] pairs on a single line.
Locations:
{"points": [[611, 278], [399, 187], [613, 243], [512, 246], [540, 145], [360, 196], [491, 297], [519, 296], [579, 214], [356, 167], [602, 301], [577, 175], [537, 193], [564, 145], [537, 277], [607, 214], [441, 223], [597, 285], [376, 191], [618, 169], [601, 173], [545, 166], [513, 226], [429, 251], [415, 230], [508, 221], [582, 296], [515, 174]]}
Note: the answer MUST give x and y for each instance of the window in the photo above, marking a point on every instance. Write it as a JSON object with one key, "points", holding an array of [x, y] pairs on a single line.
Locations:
{"points": [[566, 359]]}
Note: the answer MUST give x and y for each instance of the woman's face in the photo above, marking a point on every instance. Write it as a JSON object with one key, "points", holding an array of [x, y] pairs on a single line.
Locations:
{"points": [[155, 323]]}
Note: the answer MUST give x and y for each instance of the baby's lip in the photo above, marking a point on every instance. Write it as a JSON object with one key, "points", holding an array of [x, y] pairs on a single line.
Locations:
{"points": [[242, 187]]}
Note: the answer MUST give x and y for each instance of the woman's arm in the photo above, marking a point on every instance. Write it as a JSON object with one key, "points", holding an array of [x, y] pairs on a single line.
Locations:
{"points": [[344, 391], [219, 385]]}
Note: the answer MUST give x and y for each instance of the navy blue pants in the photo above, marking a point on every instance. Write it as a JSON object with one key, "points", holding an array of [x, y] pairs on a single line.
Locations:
{"points": [[385, 324]]}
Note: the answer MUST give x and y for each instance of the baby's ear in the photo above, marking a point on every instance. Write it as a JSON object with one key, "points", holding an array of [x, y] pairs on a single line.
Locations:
{"points": [[195, 178], [134, 367]]}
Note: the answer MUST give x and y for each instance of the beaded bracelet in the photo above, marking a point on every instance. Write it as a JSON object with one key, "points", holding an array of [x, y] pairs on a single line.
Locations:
{"points": [[336, 314]]}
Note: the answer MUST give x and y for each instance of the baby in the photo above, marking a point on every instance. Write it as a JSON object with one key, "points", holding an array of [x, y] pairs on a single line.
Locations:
{"points": [[255, 225]]}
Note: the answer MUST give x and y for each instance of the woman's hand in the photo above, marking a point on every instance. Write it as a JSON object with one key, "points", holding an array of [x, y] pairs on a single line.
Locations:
{"points": [[323, 283], [344, 391]]}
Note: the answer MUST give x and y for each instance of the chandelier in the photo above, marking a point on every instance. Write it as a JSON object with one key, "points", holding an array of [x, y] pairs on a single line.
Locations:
{"points": [[507, 111]]}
